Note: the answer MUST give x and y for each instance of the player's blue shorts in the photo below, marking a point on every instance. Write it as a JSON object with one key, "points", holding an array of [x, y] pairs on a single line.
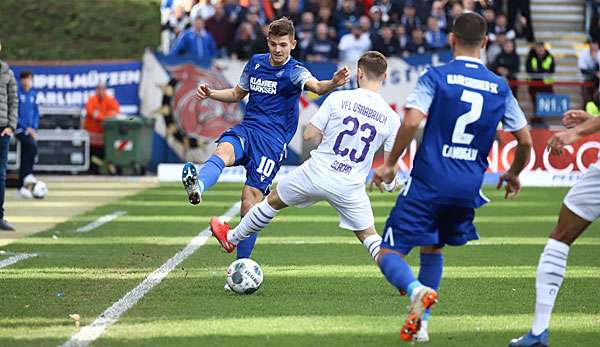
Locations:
{"points": [[415, 221], [259, 154]]}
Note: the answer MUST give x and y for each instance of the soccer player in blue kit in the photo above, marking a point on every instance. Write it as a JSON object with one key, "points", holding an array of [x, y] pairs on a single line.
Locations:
{"points": [[274, 82], [464, 103]]}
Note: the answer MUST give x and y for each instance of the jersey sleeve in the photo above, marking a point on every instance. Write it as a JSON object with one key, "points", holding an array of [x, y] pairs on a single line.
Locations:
{"points": [[300, 75], [244, 82], [321, 118], [389, 142], [422, 96], [514, 119]]}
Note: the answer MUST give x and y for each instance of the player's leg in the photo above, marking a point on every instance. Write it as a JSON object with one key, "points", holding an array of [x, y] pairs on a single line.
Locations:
{"points": [[228, 152], [581, 207], [250, 198], [371, 240], [430, 274]]}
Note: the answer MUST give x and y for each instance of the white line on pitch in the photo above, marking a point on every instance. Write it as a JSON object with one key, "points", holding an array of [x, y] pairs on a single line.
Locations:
{"points": [[100, 221], [110, 316], [16, 258]]}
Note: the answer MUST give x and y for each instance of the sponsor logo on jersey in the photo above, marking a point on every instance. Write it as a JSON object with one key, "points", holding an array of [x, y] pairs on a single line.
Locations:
{"points": [[256, 66], [263, 86]]}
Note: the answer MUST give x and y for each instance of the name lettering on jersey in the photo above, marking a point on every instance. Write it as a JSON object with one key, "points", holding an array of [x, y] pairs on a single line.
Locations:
{"points": [[341, 167], [474, 83], [364, 111], [459, 153], [263, 86]]}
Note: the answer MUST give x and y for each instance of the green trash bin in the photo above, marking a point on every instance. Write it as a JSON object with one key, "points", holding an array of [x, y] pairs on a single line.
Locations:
{"points": [[128, 142]]}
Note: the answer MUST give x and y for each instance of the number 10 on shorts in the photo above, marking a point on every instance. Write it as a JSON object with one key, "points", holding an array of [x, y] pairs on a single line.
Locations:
{"points": [[266, 166]]}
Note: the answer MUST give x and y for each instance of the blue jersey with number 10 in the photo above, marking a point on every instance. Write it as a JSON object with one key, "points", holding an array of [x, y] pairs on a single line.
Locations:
{"points": [[464, 102]]}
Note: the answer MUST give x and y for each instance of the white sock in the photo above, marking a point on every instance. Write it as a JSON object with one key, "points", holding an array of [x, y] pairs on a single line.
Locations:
{"points": [[550, 273], [372, 244], [259, 216]]}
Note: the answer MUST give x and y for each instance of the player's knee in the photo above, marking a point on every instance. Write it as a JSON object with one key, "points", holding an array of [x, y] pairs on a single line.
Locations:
{"points": [[226, 152]]}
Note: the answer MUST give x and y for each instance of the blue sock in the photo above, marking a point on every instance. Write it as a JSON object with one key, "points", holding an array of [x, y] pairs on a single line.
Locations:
{"points": [[398, 273], [430, 273], [245, 247], [210, 172]]}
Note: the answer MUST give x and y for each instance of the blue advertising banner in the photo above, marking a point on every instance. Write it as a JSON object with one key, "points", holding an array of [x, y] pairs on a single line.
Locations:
{"points": [[548, 105], [70, 85]]}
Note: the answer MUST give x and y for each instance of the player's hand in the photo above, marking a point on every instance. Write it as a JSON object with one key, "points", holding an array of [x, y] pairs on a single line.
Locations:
{"points": [[203, 92], [573, 118], [513, 184], [382, 174], [7, 132], [559, 140], [341, 76], [31, 132]]}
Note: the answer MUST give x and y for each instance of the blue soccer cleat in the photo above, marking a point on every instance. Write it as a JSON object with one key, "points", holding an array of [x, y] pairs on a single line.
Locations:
{"points": [[189, 178], [531, 340]]}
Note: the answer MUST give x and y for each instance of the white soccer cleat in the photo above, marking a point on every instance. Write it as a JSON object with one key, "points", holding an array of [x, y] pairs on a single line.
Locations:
{"points": [[227, 287], [189, 178], [24, 193], [29, 180], [423, 334]]}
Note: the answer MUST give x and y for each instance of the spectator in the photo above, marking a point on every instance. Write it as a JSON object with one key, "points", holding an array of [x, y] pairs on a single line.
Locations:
{"points": [[436, 38], [502, 27], [594, 31], [99, 106], [390, 10], [490, 20], [304, 31], [375, 15], [245, 45], [439, 13], [177, 22], [402, 39], [9, 105], [253, 17], [347, 17], [325, 16], [540, 64], [365, 25], [312, 6], [507, 64], [455, 10], [386, 43], [293, 11], [354, 44], [495, 48], [417, 44], [26, 133], [524, 7], [589, 65], [196, 42], [409, 19], [222, 29], [203, 9], [322, 48]]}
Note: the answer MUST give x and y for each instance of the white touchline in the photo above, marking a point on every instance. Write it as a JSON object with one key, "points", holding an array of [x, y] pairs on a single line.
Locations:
{"points": [[16, 258], [100, 221], [111, 315]]}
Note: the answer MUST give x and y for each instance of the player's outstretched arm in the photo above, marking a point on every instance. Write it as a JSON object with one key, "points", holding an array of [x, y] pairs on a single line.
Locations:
{"points": [[588, 126], [406, 133], [313, 135], [522, 154], [340, 77], [235, 94]]}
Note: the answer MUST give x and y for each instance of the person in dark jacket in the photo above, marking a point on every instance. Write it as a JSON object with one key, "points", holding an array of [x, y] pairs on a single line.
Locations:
{"points": [[9, 104], [27, 125], [507, 64], [386, 43], [540, 65]]}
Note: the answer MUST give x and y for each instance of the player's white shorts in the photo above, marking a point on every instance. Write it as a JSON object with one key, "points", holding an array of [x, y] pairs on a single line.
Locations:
{"points": [[584, 197], [301, 189]]}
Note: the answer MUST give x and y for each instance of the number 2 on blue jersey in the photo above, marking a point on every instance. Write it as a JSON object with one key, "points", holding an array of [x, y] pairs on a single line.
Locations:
{"points": [[351, 132], [476, 100]]}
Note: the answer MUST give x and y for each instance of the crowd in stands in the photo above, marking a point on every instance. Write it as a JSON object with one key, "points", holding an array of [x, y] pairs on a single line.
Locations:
{"points": [[338, 30]]}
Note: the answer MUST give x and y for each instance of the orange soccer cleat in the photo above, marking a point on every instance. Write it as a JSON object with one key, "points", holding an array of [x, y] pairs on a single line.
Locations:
{"points": [[219, 231], [424, 298]]}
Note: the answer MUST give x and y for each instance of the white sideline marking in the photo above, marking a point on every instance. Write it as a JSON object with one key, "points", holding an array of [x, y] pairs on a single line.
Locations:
{"points": [[100, 221], [111, 315], [16, 258]]}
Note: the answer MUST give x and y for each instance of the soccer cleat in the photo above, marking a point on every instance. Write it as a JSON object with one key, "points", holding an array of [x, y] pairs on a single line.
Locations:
{"points": [[423, 334], [227, 288], [530, 340], [219, 231], [423, 299], [189, 178], [24, 193]]}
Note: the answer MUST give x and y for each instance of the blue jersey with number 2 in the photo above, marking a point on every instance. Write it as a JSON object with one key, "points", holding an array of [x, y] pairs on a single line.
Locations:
{"points": [[464, 102]]}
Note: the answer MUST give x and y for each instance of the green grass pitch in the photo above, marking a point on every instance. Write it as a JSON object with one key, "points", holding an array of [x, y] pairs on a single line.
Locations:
{"points": [[321, 288]]}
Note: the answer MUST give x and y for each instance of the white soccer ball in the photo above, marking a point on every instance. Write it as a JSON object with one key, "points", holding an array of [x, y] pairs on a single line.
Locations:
{"points": [[244, 276], [39, 190]]}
